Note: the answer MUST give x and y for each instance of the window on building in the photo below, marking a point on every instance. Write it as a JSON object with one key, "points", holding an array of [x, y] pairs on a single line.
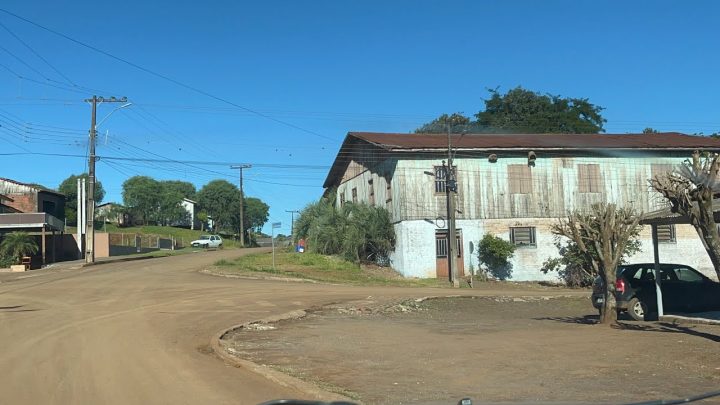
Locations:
{"points": [[523, 236], [388, 193], [440, 178], [354, 195], [342, 199], [589, 178], [371, 191], [519, 179], [666, 233], [48, 207], [441, 245]]}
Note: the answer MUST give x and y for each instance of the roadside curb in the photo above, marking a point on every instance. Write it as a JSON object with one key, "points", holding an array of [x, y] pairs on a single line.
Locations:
{"points": [[275, 376], [686, 320], [123, 259]]}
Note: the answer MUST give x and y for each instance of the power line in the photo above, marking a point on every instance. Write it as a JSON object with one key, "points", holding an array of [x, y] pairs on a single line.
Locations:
{"points": [[37, 54], [167, 78]]}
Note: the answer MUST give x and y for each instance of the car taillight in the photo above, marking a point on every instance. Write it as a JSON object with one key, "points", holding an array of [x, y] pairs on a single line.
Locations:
{"points": [[620, 286]]}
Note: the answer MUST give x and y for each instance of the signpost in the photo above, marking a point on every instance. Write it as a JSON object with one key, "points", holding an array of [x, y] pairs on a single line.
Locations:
{"points": [[275, 225]]}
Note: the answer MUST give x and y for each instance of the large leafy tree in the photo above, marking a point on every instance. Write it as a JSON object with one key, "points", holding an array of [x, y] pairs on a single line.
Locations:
{"points": [[170, 198], [524, 111], [69, 188], [142, 196], [221, 200], [183, 188], [256, 214]]}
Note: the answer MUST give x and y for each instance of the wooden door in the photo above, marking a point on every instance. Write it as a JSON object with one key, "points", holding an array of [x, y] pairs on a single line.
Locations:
{"points": [[442, 269]]}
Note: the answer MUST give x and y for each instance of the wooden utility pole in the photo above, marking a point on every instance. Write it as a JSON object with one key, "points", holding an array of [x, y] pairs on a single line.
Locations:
{"points": [[450, 189], [90, 193], [292, 224], [242, 202]]}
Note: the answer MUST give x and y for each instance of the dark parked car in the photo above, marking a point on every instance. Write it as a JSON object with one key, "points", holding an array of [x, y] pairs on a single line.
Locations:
{"points": [[684, 289]]}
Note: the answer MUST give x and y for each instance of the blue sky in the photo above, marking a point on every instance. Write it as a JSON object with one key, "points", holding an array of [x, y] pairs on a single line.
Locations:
{"points": [[328, 67]]}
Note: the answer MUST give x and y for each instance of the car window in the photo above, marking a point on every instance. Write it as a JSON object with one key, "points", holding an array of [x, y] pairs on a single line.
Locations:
{"points": [[687, 275], [204, 237]]}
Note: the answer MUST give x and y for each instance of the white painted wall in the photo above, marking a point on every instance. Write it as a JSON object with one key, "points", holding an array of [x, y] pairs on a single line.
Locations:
{"points": [[414, 255]]}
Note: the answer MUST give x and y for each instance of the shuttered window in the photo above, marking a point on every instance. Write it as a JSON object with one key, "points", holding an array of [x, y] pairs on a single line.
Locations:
{"points": [[342, 199], [354, 195], [519, 179], [666, 233], [589, 179], [523, 236]]}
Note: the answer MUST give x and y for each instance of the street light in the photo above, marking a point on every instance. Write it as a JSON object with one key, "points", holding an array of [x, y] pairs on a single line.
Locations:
{"points": [[111, 113]]}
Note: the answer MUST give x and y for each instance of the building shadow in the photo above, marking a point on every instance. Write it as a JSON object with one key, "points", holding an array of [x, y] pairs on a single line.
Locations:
{"points": [[665, 327]]}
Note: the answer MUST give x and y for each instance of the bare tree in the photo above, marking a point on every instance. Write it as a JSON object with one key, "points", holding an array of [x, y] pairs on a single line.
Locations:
{"points": [[690, 189], [602, 236]]}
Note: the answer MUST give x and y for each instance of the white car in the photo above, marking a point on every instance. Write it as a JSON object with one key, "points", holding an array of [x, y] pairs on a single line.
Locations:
{"points": [[208, 241]]}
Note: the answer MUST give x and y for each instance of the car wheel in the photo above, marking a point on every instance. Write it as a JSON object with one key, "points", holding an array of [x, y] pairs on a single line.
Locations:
{"points": [[220, 246], [637, 309]]}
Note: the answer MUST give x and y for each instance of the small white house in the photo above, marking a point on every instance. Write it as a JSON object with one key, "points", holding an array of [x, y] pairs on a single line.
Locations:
{"points": [[191, 207], [512, 186]]}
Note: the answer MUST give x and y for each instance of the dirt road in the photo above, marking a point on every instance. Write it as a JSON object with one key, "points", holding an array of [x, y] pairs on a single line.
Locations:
{"points": [[138, 332]]}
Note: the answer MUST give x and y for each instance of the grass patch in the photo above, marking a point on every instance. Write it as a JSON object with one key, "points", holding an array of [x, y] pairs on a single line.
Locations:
{"points": [[317, 267]]}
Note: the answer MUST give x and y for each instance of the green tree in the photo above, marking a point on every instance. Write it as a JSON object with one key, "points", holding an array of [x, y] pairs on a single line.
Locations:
{"points": [[256, 214], [142, 196], [221, 200], [524, 111], [170, 209], [68, 187], [184, 188], [649, 130], [456, 121], [16, 245], [202, 216]]}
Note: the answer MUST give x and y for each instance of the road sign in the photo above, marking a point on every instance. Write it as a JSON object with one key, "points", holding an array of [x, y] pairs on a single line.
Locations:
{"points": [[276, 225]]}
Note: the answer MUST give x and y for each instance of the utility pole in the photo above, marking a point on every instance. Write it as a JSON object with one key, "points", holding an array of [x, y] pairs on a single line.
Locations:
{"points": [[450, 189], [90, 193], [242, 202], [292, 224]]}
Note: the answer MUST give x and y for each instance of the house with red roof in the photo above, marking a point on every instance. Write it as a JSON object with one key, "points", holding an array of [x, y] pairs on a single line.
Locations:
{"points": [[514, 186]]}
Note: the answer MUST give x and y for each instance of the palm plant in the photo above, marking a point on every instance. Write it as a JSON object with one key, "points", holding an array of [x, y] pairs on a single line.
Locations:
{"points": [[16, 245]]}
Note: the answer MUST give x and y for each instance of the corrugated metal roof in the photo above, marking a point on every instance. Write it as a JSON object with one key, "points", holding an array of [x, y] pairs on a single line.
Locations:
{"points": [[405, 142], [665, 140]]}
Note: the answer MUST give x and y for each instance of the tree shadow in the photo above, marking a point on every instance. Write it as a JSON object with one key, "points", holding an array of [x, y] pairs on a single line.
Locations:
{"points": [[665, 327], [502, 272], [16, 308], [578, 320], [11, 307]]}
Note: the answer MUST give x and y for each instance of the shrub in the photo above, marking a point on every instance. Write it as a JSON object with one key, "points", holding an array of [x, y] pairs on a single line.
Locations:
{"points": [[357, 232], [15, 245], [495, 253]]}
